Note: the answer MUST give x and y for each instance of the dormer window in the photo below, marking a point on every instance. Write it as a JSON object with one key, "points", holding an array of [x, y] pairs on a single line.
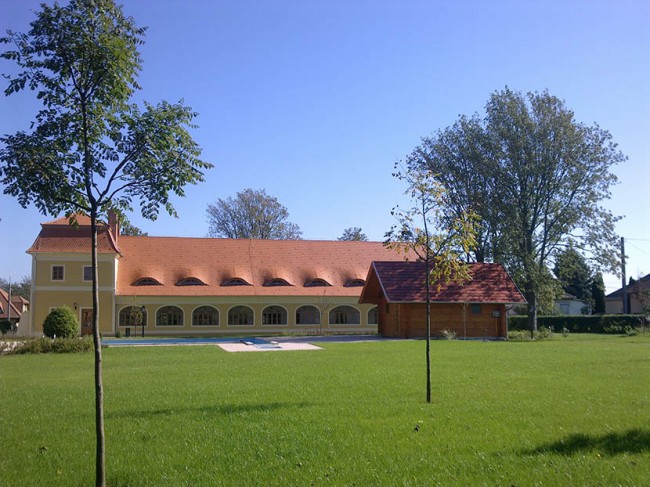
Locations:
{"points": [[276, 282], [191, 281], [355, 283], [317, 283], [235, 281], [147, 281]]}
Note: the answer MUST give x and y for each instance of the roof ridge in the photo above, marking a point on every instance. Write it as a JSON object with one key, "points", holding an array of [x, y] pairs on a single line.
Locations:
{"points": [[258, 240]]}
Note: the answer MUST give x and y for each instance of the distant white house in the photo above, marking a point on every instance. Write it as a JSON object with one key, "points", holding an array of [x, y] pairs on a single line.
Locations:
{"points": [[569, 305]]}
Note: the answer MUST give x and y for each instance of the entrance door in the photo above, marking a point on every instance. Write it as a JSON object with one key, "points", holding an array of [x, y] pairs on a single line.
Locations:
{"points": [[86, 321]]}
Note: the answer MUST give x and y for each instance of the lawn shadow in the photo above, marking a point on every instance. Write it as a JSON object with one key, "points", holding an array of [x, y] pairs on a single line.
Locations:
{"points": [[634, 440], [215, 410]]}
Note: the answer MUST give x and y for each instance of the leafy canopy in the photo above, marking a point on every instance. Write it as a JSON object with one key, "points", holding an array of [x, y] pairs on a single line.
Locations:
{"points": [[89, 148], [353, 234], [425, 229], [251, 214], [572, 270], [535, 176]]}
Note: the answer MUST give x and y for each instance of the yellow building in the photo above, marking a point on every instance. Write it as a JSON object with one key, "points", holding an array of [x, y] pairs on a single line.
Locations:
{"points": [[203, 286]]}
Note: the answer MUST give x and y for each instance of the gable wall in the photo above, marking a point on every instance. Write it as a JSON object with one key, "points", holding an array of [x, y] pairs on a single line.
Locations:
{"points": [[48, 294]]}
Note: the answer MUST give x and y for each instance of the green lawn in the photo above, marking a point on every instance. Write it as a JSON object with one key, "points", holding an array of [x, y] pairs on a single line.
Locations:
{"points": [[569, 411]]}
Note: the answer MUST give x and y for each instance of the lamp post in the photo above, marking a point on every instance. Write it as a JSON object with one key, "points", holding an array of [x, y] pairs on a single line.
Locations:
{"points": [[143, 310], [9, 304]]}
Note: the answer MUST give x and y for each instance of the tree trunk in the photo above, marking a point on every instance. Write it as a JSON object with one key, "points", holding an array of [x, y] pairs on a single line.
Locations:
{"points": [[531, 297], [100, 463], [428, 287]]}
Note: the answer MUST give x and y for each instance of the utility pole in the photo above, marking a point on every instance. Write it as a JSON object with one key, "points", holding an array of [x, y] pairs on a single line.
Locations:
{"points": [[624, 278]]}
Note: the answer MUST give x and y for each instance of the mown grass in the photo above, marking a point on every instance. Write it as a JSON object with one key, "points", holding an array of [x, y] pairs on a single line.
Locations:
{"points": [[569, 411]]}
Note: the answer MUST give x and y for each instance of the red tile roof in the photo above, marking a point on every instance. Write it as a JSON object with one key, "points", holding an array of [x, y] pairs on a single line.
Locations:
{"points": [[4, 306], [404, 282], [59, 236], [214, 261]]}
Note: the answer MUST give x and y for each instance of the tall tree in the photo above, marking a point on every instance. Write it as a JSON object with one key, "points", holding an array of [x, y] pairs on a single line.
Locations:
{"points": [[459, 159], [90, 149], [437, 240], [353, 234], [574, 274], [535, 176], [598, 293], [251, 214], [126, 228]]}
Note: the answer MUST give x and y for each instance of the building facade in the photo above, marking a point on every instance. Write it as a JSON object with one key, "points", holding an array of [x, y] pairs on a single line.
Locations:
{"points": [[202, 286]]}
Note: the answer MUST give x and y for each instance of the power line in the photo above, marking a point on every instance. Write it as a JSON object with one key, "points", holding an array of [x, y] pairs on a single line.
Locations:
{"points": [[639, 249], [637, 239]]}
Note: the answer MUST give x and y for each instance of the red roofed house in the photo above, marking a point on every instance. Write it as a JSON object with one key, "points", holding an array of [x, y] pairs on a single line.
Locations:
{"points": [[203, 286], [14, 310], [476, 309]]}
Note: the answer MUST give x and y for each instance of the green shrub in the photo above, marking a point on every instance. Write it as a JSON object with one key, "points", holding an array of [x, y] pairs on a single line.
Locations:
{"points": [[610, 324], [57, 345], [61, 323], [5, 326], [519, 335], [524, 335]]}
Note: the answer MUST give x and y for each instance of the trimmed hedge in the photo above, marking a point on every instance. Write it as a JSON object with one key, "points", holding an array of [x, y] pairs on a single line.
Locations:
{"points": [[608, 324], [57, 345]]}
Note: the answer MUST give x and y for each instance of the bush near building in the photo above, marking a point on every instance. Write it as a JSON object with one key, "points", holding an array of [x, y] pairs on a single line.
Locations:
{"points": [[61, 323], [5, 327]]}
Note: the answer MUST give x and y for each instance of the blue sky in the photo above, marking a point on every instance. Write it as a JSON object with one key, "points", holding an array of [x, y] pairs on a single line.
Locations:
{"points": [[315, 101]]}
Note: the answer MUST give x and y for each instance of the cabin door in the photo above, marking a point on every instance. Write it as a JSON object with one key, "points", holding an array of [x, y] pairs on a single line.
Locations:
{"points": [[86, 321]]}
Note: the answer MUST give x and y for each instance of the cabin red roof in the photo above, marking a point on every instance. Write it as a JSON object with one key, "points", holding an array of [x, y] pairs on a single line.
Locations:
{"points": [[404, 282]]}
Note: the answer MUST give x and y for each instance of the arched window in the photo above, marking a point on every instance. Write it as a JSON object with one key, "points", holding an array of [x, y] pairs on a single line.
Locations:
{"points": [[274, 315], [235, 281], [133, 316], [308, 315], [169, 316], [355, 283], [205, 316], [276, 282], [147, 281], [317, 283], [191, 281], [345, 315], [240, 315], [373, 316]]}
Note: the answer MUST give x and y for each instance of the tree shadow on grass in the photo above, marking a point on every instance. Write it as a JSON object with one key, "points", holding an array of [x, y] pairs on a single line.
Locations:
{"points": [[213, 410], [634, 440]]}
